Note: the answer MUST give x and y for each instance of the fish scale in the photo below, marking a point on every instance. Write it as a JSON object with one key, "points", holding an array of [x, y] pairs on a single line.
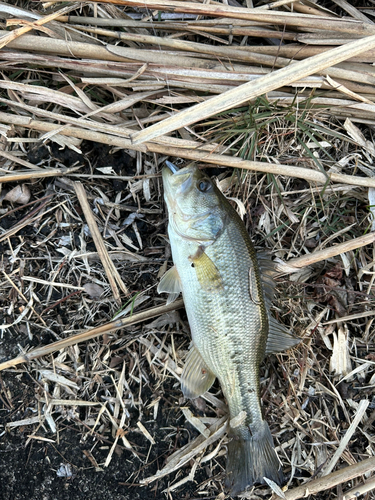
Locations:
{"points": [[216, 268]]}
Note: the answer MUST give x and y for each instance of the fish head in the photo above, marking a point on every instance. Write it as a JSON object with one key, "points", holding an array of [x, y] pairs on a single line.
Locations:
{"points": [[196, 206]]}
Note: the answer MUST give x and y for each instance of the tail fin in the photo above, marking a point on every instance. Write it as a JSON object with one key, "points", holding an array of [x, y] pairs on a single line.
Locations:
{"points": [[250, 460]]}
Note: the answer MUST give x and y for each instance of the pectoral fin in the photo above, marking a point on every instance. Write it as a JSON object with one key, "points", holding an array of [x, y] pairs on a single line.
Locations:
{"points": [[170, 283], [196, 377], [207, 273], [279, 338]]}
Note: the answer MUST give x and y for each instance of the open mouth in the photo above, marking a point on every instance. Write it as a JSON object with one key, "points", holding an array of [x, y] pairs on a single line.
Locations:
{"points": [[177, 180], [172, 167]]}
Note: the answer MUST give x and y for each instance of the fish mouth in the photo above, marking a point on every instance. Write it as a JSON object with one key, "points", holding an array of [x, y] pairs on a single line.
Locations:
{"points": [[176, 181], [172, 167]]}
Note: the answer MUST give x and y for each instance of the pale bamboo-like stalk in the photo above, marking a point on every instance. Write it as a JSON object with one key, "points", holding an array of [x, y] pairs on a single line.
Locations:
{"points": [[36, 174], [327, 253], [323, 483], [113, 275], [218, 51], [353, 11], [231, 27], [62, 47], [10, 36], [362, 489], [20, 161], [91, 334], [260, 86], [127, 54], [263, 16], [190, 153], [269, 168], [297, 52], [312, 258], [361, 410]]}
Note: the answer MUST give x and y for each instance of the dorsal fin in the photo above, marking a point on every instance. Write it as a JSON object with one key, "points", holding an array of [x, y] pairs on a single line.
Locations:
{"points": [[279, 337]]}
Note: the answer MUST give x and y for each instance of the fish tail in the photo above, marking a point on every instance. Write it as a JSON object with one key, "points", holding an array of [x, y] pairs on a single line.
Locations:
{"points": [[250, 459]]}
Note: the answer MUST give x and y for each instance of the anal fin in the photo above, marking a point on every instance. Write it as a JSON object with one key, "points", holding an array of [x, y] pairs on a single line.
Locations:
{"points": [[196, 377]]}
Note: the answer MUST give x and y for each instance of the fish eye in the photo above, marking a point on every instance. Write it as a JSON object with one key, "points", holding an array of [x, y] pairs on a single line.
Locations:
{"points": [[203, 186]]}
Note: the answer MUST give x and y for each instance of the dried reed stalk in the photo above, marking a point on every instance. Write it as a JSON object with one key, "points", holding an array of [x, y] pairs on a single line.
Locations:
{"points": [[113, 275], [348, 434], [264, 84], [341, 476], [232, 27], [217, 51], [356, 492], [91, 334], [307, 260], [191, 154], [161, 61], [272, 17], [37, 174], [9, 37]]}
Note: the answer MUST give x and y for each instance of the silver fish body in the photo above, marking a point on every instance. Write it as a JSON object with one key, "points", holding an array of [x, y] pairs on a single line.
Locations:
{"points": [[217, 270]]}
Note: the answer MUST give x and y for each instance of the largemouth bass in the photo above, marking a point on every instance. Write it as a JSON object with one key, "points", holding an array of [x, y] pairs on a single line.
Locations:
{"points": [[227, 303]]}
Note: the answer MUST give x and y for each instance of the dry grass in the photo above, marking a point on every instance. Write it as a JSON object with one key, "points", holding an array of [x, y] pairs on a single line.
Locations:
{"points": [[84, 130]]}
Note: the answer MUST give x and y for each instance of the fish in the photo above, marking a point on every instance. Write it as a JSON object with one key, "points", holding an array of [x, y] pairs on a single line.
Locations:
{"points": [[227, 291]]}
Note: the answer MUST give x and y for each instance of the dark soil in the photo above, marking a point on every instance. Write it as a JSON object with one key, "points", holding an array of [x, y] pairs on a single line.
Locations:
{"points": [[33, 471]]}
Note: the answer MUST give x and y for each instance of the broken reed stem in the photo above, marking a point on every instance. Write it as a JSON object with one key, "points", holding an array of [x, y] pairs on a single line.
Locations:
{"points": [[90, 334], [348, 434], [110, 269], [259, 15], [216, 51], [323, 483], [20, 161], [356, 492], [172, 65], [229, 28], [187, 453], [62, 47], [255, 88], [291, 51], [296, 264], [13, 35], [37, 174], [190, 154], [180, 74]]}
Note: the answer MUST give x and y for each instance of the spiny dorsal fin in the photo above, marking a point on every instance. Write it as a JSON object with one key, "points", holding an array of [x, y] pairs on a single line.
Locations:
{"points": [[267, 271], [196, 378], [170, 283], [208, 274], [279, 338]]}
